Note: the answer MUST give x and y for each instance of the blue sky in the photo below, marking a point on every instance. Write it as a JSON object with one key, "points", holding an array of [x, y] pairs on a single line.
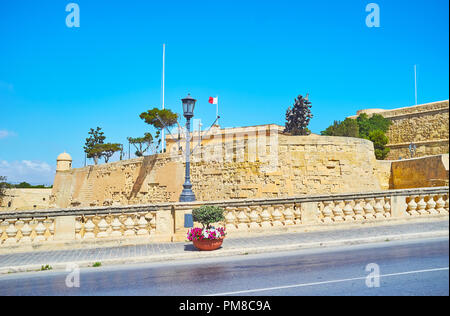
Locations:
{"points": [[257, 56]]}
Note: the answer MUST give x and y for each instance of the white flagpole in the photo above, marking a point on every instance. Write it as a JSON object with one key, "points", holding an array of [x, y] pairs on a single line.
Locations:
{"points": [[217, 110], [163, 83], [415, 83]]}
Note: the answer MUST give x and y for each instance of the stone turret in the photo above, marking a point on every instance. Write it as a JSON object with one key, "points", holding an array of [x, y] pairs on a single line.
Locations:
{"points": [[63, 162]]}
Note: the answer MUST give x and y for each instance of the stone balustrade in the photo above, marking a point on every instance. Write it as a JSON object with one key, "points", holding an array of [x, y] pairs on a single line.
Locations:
{"points": [[165, 221]]}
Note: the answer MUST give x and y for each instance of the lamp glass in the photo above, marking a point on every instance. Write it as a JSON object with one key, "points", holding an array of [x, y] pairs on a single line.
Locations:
{"points": [[188, 106]]}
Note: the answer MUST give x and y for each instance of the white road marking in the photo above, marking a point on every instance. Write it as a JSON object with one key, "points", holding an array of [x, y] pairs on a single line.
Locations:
{"points": [[325, 282]]}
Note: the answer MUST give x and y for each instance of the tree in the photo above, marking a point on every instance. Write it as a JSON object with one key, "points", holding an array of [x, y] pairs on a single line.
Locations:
{"points": [[23, 185], [3, 186], [348, 128], [142, 144], [107, 150], [375, 122], [379, 140], [92, 148], [151, 117], [207, 215], [373, 129], [298, 117]]}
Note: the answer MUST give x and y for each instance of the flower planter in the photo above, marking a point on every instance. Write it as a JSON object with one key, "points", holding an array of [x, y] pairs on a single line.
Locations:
{"points": [[207, 244]]}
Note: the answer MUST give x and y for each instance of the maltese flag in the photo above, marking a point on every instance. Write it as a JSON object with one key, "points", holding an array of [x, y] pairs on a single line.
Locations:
{"points": [[214, 100]]}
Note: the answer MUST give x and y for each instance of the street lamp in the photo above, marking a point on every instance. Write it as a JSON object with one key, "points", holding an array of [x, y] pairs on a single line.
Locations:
{"points": [[412, 149], [188, 111]]}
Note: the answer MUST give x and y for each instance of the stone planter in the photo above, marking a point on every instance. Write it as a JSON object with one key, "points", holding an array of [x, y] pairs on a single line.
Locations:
{"points": [[208, 245]]}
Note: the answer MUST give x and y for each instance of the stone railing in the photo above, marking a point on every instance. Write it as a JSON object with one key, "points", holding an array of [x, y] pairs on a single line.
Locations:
{"points": [[330, 209], [165, 222]]}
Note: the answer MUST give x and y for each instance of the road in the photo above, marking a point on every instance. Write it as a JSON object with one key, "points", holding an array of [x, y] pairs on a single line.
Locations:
{"points": [[414, 267]]}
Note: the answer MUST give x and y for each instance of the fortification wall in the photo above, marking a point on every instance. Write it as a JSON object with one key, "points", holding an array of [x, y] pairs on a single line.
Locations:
{"points": [[272, 166], [420, 172], [426, 125], [25, 199]]}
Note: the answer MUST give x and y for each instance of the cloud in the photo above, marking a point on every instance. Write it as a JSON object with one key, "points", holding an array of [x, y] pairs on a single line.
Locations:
{"points": [[4, 134], [34, 172]]}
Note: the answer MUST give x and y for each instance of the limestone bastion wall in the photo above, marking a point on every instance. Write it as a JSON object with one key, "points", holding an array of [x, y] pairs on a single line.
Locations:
{"points": [[255, 167], [25, 199], [426, 125]]}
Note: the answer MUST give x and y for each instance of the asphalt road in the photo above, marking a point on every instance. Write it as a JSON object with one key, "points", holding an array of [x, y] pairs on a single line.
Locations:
{"points": [[417, 267]]}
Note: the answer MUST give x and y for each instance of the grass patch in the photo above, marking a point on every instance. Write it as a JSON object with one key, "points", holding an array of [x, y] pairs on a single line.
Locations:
{"points": [[46, 267]]}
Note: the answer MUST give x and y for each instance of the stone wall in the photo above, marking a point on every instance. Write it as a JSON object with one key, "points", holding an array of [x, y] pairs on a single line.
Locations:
{"points": [[426, 125], [420, 172], [270, 166], [25, 199]]}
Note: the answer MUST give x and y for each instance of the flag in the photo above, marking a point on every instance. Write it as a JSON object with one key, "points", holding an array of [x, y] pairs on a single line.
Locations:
{"points": [[214, 100]]}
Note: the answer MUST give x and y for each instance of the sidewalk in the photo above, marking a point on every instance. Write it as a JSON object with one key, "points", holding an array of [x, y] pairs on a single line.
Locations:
{"points": [[32, 261]]}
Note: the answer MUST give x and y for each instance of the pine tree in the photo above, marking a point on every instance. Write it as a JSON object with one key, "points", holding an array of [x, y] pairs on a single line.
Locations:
{"points": [[298, 117]]}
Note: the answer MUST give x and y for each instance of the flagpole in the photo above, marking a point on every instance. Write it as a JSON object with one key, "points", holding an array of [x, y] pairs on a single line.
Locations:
{"points": [[415, 83], [163, 83], [217, 110]]}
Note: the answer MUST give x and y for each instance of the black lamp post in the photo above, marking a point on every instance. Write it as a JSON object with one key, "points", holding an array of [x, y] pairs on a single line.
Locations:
{"points": [[188, 111]]}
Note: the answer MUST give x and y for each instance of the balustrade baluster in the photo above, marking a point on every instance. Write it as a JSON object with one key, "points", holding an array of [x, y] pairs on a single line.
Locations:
{"points": [[89, 228], [446, 203], [230, 219], [288, 214], [255, 219], [387, 207], [431, 205], [298, 214], [440, 204], [243, 219], [265, 217], [143, 226], [116, 226], [26, 232], [51, 228], [348, 211], [153, 223], [11, 232], [78, 227], [338, 213], [277, 216], [368, 209], [359, 211], [3, 226], [129, 226], [327, 212], [412, 206], [103, 228], [40, 230], [422, 205], [378, 208]]}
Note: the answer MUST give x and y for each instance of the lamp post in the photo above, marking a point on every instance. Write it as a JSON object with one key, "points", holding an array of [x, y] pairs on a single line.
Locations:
{"points": [[188, 111], [412, 149]]}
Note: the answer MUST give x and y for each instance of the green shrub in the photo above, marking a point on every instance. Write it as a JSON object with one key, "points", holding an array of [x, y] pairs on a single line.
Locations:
{"points": [[374, 123], [373, 129], [348, 128], [207, 214], [46, 267], [379, 141]]}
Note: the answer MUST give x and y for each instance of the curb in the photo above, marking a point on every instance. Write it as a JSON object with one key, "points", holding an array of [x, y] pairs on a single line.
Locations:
{"points": [[229, 252]]}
